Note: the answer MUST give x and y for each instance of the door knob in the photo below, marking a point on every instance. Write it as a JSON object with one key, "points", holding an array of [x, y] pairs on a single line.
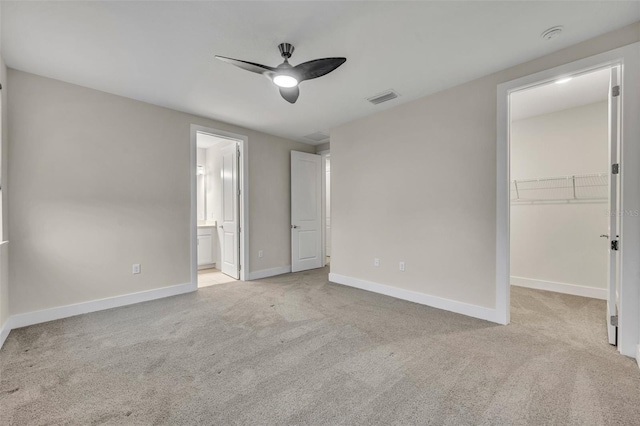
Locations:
{"points": [[294, 226]]}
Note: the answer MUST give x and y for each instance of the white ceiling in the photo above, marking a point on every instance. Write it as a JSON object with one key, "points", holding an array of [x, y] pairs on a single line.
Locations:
{"points": [[205, 141], [583, 90], [163, 52]]}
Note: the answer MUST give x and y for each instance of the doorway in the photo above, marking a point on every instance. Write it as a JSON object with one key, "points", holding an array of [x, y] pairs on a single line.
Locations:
{"points": [[219, 207], [623, 293], [560, 146]]}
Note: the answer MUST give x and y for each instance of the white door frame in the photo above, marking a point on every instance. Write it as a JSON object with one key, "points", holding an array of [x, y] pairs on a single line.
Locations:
{"points": [[243, 143], [323, 155], [628, 58]]}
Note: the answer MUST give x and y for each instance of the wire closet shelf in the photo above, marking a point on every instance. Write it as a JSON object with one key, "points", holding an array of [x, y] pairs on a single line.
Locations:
{"points": [[594, 186]]}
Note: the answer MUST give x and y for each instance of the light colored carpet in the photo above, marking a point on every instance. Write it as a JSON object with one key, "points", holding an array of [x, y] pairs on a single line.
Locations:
{"points": [[297, 350]]}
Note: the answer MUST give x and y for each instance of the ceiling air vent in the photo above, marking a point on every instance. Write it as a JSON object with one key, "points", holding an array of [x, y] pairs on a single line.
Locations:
{"points": [[317, 137], [383, 97]]}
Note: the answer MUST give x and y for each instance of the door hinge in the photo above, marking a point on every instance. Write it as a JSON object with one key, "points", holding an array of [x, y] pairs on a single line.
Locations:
{"points": [[614, 320], [614, 245], [615, 91], [615, 169]]}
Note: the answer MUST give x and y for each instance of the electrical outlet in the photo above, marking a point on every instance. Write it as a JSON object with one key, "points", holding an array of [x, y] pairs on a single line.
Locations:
{"points": [[136, 268], [376, 262], [260, 253], [402, 266]]}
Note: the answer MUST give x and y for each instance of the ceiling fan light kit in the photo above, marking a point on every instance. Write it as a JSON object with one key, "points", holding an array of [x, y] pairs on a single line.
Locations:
{"points": [[283, 80], [286, 76]]}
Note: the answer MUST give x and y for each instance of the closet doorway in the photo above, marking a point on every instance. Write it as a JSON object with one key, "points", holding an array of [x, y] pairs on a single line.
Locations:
{"points": [[564, 195]]}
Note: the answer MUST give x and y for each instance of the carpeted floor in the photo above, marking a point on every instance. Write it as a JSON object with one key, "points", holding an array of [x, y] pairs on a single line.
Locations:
{"points": [[295, 349]]}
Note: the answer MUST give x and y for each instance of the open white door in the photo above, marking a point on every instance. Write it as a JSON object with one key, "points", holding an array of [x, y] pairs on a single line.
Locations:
{"points": [[230, 226], [306, 211], [614, 206]]}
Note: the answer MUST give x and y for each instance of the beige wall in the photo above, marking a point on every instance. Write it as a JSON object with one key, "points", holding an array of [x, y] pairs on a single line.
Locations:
{"points": [[417, 183], [271, 211], [100, 182], [560, 242], [323, 147]]}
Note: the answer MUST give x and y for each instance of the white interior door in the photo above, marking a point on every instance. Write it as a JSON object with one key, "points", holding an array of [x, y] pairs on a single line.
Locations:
{"points": [[614, 207], [306, 211], [230, 226]]}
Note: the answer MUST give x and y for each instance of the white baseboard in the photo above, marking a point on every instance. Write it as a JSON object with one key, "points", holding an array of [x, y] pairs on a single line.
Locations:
{"points": [[475, 311], [37, 317], [574, 289], [638, 356], [206, 266], [271, 272], [4, 331]]}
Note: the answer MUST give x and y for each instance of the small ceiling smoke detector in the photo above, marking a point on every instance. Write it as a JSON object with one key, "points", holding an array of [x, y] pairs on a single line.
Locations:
{"points": [[383, 97], [552, 32]]}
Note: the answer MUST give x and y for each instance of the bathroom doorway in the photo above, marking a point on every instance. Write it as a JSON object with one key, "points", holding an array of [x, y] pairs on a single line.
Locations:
{"points": [[219, 207]]}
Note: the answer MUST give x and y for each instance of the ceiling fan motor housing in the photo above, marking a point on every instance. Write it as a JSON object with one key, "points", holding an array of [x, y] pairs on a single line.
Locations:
{"points": [[286, 50]]}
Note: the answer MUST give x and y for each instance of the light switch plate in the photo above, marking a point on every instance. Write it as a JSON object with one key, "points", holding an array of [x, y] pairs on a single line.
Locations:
{"points": [[136, 268]]}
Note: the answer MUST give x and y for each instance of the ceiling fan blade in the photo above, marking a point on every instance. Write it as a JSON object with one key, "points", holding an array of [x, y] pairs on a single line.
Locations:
{"points": [[318, 67], [290, 94], [249, 66]]}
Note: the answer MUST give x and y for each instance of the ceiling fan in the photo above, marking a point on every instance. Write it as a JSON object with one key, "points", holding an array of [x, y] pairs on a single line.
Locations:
{"points": [[286, 76]]}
